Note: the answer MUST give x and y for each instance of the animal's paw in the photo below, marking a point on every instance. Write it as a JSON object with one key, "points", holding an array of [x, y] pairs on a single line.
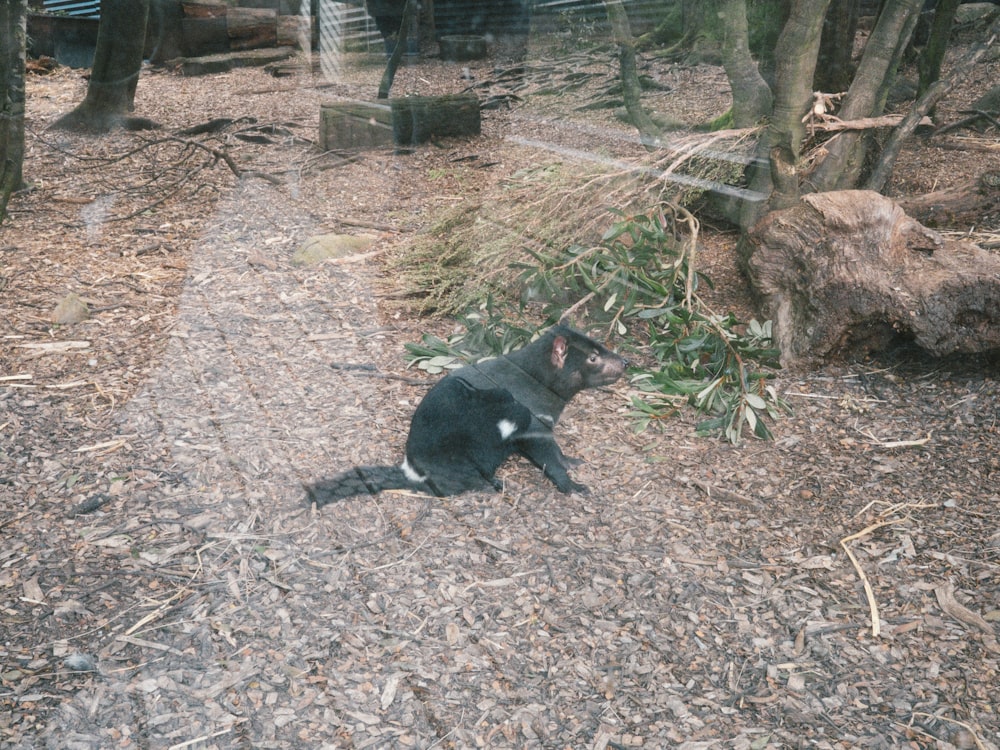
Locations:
{"points": [[570, 486]]}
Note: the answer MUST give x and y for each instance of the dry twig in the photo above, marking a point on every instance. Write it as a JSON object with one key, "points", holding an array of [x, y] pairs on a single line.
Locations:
{"points": [[869, 593], [965, 726]]}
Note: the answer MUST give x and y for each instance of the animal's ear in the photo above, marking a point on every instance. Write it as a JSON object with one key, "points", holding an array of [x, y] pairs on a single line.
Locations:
{"points": [[559, 349]]}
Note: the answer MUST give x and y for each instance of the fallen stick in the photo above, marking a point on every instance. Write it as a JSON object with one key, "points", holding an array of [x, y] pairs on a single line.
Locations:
{"points": [[869, 593], [967, 727]]}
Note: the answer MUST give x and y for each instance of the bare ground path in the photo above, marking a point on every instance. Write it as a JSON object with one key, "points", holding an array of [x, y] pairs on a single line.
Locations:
{"points": [[699, 597]]}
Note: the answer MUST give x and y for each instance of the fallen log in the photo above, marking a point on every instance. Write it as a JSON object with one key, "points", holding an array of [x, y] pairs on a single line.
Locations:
{"points": [[252, 28], [220, 63], [846, 273], [416, 119], [962, 204], [405, 121], [203, 9], [201, 36], [355, 125]]}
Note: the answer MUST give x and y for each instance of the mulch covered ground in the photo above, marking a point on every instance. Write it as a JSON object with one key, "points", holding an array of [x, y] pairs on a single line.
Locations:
{"points": [[163, 583]]}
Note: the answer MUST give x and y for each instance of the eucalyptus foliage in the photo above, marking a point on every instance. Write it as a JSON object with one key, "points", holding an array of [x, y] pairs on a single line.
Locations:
{"points": [[639, 281]]}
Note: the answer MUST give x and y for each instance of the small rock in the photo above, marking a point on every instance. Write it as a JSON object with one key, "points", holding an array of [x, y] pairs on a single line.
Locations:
{"points": [[71, 309], [320, 247], [77, 662], [975, 13]]}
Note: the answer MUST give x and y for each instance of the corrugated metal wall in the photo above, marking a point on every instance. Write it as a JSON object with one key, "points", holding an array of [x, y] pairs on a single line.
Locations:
{"points": [[79, 8]]}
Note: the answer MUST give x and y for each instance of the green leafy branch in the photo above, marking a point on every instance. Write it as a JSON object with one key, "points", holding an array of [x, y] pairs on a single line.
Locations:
{"points": [[492, 330], [640, 280]]}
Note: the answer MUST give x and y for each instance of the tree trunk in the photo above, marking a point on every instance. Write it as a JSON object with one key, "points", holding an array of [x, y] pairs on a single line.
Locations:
{"points": [[841, 167], [835, 68], [967, 202], [397, 53], [12, 52], [930, 60], [692, 15], [795, 57], [845, 273], [669, 30], [113, 78], [925, 104], [752, 98], [766, 19], [649, 132]]}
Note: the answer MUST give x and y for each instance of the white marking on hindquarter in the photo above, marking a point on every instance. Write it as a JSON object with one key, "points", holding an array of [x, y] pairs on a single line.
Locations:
{"points": [[507, 428], [410, 473]]}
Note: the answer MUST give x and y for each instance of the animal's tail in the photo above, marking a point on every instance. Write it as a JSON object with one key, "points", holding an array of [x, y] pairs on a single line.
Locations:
{"points": [[361, 480]]}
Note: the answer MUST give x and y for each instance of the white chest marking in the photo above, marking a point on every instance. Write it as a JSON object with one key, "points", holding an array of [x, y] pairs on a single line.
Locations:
{"points": [[507, 428], [412, 474]]}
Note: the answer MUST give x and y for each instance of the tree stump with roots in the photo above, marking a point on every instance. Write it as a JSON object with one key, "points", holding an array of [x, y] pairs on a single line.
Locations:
{"points": [[845, 273]]}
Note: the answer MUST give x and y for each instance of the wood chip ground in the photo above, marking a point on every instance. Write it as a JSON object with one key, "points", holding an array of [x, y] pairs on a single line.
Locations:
{"points": [[163, 584]]}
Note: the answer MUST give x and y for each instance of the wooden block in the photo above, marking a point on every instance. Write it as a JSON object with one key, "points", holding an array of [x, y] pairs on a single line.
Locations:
{"points": [[355, 125], [404, 121], [416, 119]]}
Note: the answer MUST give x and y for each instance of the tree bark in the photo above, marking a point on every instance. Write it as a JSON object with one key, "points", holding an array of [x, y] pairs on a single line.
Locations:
{"points": [[966, 202], [251, 28], [670, 29], [12, 53], [929, 64], [692, 15], [113, 78], [767, 20]]}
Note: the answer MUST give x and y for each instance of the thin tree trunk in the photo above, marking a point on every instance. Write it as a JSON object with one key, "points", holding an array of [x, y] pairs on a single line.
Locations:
{"points": [[930, 60], [115, 73], [397, 54], [833, 74], [766, 32], [752, 99], [841, 167], [649, 132], [795, 56], [12, 50], [887, 159], [692, 16]]}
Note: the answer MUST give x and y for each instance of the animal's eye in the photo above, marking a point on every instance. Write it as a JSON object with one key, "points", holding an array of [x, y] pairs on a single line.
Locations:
{"points": [[593, 357]]}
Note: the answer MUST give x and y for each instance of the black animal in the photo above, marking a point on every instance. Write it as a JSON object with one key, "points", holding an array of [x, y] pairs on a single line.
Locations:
{"points": [[476, 417], [388, 16]]}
